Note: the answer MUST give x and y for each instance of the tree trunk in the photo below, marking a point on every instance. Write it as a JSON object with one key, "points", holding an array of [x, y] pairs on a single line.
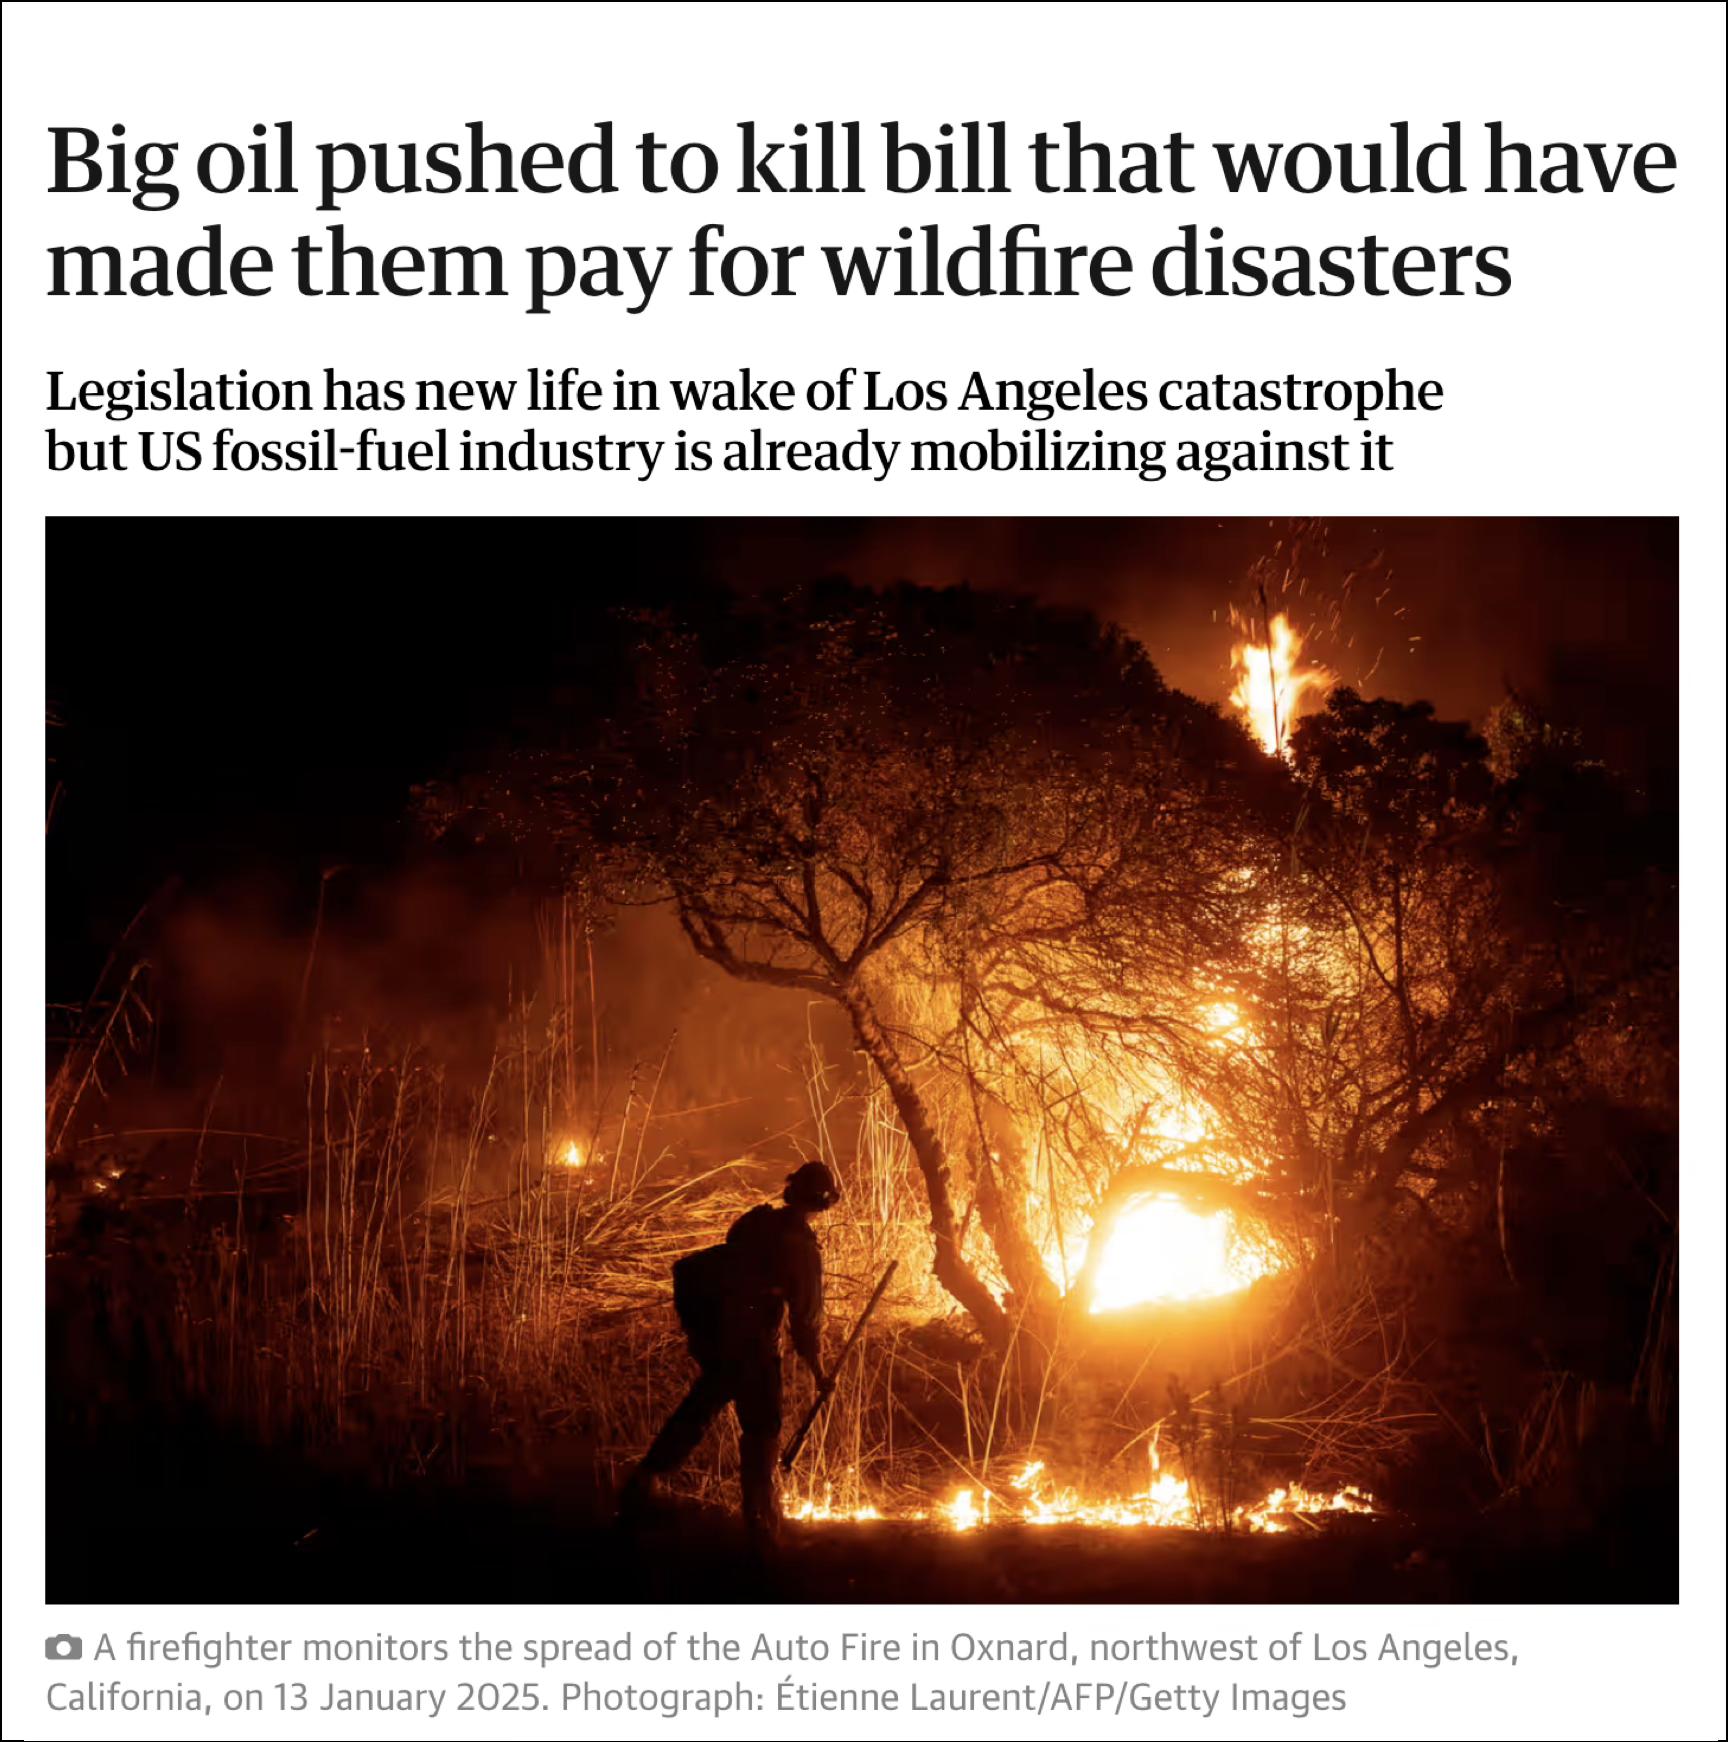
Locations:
{"points": [[950, 1266], [999, 1167]]}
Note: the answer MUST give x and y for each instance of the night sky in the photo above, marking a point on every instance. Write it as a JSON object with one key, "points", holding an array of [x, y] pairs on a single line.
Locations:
{"points": [[233, 694]]}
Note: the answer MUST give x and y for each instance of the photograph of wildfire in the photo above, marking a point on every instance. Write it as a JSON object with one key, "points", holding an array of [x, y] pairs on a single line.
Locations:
{"points": [[862, 1060]]}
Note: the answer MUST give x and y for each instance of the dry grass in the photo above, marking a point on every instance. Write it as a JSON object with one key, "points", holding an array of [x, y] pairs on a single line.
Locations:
{"points": [[415, 1281]]}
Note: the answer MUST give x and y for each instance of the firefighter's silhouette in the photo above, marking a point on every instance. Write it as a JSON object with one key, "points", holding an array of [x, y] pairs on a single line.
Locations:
{"points": [[731, 1300]]}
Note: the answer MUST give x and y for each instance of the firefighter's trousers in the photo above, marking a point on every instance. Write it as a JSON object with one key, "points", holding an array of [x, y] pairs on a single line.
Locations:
{"points": [[751, 1384]]}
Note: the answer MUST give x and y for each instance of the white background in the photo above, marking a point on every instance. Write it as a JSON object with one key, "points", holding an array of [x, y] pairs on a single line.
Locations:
{"points": [[1594, 387]]}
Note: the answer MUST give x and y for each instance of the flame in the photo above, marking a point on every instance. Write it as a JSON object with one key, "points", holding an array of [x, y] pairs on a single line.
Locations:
{"points": [[1161, 1249], [571, 1155], [1272, 684], [1165, 1502], [1178, 1243], [1274, 1513], [824, 1509], [1033, 1498]]}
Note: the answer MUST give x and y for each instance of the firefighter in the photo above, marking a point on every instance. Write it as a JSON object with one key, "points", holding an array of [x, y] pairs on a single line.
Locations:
{"points": [[731, 1300]]}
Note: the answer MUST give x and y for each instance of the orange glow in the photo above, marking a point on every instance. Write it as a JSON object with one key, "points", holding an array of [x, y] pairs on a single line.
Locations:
{"points": [[1165, 1503], [1162, 1249], [1282, 1505], [1033, 1498], [571, 1155], [823, 1509], [1272, 685]]}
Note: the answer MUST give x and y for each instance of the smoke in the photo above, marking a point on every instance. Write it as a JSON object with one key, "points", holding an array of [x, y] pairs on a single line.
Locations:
{"points": [[457, 961]]}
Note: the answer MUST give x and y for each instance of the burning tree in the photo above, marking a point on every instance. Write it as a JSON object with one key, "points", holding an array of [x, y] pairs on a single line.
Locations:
{"points": [[1162, 1006], [985, 829]]}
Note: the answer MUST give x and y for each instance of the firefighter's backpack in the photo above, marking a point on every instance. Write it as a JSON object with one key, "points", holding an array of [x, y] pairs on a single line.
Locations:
{"points": [[701, 1282]]}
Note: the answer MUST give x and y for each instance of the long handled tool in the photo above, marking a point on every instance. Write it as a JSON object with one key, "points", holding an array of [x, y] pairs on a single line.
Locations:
{"points": [[790, 1456]]}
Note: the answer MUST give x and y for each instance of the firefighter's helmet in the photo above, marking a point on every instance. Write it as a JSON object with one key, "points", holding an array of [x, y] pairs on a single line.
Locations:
{"points": [[811, 1187]]}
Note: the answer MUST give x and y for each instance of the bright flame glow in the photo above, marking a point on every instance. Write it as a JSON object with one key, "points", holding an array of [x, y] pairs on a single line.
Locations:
{"points": [[813, 1509], [1166, 1503], [1276, 1511], [571, 1155], [1272, 684], [1161, 1249]]}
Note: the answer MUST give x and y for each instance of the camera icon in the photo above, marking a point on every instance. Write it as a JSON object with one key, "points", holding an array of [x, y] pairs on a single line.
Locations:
{"points": [[62, 1647]]}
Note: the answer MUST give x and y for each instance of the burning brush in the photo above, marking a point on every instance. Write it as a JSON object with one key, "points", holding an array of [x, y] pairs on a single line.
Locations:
{"points": [[1032, 1497]]}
